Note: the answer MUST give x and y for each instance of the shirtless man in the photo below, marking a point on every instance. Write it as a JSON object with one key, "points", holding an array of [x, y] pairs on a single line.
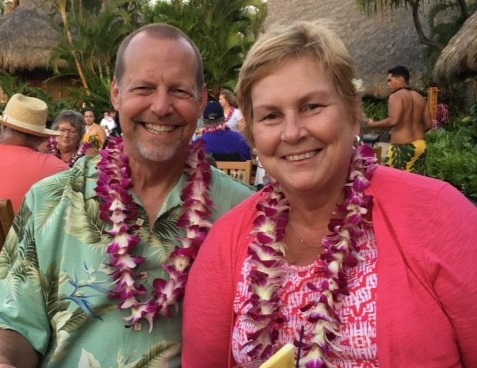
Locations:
{"points": [[409, 118]]}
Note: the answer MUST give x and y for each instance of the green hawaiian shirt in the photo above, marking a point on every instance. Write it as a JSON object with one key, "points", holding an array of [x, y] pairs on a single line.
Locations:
{"points": [[54, 278]]}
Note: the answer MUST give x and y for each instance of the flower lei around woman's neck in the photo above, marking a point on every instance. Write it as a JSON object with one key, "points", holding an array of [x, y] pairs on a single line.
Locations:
{"points": [[118, 207], [52, 145], [266, 256], [230, 113]]}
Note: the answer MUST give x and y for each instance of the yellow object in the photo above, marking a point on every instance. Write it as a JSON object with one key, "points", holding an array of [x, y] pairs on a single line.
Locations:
{"points": [[283, 358]]}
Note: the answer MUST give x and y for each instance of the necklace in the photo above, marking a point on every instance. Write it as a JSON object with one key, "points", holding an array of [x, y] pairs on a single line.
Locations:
{"points": [[230, 113], [266, 257], [52, 145], [300, 239], [118, 208], [214, 128]]}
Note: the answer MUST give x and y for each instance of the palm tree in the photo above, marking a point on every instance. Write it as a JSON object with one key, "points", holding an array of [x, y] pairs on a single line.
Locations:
{"points": [[92, 35], [223, 30], [374, 6]]}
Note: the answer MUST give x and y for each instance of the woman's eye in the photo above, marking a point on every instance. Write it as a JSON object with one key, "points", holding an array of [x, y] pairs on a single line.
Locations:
{"points": [[311, 107], [267, 117]]}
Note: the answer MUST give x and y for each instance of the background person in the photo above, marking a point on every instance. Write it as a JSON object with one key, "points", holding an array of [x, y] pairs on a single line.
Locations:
{"points": [[108, 122], [219, 140], [94, 133], [233, 116], [410, 118], [69, 145], [110, 243], [357, 263], [22, 130]]}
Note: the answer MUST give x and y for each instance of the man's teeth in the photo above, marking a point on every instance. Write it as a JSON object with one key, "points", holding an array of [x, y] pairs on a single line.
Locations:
{"points": [[155, 128], [302, 156]]}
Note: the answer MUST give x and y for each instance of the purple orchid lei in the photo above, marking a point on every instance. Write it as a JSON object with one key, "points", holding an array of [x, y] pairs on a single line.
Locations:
{"points": [[118, 207], [266, 256], [52, 145]]}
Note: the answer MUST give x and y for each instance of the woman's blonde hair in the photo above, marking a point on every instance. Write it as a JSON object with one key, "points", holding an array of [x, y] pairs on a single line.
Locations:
{"points": [[299, 39]]}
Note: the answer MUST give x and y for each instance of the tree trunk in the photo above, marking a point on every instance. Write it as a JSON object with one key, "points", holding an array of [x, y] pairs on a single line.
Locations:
{"points": [[64, 18], [417, 24], [464, 9]]}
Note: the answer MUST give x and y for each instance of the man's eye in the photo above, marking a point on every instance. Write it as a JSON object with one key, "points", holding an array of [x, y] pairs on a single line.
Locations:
{"points": [[180, 93], [142, 89]]}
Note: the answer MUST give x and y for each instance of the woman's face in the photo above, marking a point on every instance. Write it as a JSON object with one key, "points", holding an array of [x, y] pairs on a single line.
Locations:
{"points": [[303, 135], [223, 101], [69, 137]]}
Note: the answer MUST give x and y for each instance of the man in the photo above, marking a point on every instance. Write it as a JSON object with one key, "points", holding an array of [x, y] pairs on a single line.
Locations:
{"points": [[22, 131], [220, 141], [409, 118], [96, 274], [95, 134], [108, 123]]}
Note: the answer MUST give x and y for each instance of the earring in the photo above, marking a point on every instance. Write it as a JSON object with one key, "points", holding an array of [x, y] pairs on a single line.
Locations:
{"points": [[357, 141]]}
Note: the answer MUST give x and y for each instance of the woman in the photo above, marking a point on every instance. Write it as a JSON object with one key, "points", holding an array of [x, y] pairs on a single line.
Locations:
{"points": [[68, 146], [384, 278], [233, 116], [94, 133]]}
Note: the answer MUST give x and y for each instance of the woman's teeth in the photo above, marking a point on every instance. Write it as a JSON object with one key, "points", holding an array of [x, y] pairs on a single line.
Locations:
{"points": [[301, 156]]}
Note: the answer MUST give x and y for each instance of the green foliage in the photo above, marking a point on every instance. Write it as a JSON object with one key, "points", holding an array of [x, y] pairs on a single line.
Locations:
{"points": [[452, 154], [223, 30], [89, 56], [11, 85], [375, 108]]}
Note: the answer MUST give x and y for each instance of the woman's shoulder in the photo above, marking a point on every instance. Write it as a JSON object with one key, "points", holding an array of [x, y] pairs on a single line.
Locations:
{"points": [[393, 188], [393, 181]]}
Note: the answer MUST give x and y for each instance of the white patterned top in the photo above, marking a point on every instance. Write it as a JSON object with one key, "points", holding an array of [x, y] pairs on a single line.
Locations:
{"points": [[357, 311]]}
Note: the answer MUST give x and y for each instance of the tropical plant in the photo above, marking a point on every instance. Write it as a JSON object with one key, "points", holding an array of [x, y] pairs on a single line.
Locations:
{"points": [[11, 85], [92, 35], [462, 7], [452, 154], [223, 30]]}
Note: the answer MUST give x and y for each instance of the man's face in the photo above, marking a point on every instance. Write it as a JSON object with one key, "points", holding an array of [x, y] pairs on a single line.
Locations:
{"points": [[394, 83], [157, 99]]}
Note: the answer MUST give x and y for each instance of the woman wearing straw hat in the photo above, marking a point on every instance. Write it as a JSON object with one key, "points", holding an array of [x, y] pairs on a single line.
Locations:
{"points": [[23, 129]]}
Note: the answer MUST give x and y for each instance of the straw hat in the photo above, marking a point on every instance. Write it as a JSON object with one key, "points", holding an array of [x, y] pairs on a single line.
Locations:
{"points": [[27, 115]]}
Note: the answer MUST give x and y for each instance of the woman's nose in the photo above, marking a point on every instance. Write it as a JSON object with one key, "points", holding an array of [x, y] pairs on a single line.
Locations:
{"points": [[292, 128]]}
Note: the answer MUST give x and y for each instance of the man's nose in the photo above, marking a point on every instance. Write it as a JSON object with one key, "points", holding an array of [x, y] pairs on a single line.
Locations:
{"points": [[161, 102]]}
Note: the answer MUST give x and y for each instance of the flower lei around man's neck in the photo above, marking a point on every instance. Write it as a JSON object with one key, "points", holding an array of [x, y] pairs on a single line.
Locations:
{"points": [[118, 207], [215, 128], [52, 145], [266, 256]]}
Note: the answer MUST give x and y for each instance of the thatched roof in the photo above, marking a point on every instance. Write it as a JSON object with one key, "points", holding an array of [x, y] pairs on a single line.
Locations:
{"points": [[27, 37], [458, 60], [377, 43]]}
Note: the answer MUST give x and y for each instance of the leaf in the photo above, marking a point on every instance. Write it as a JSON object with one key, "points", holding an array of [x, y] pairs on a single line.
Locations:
{"points": [[159, 355], [87, 360]]}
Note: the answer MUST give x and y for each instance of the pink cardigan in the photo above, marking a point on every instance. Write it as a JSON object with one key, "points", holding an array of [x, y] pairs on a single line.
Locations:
{"points": [[426, 235]]}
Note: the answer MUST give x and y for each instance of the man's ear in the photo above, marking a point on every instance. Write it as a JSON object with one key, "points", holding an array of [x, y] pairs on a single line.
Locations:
{"points": [[115, 94], [203, 99]]}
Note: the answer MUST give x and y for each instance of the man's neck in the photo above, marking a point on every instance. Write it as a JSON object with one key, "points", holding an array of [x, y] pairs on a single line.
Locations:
{"points": [[11, 141], [404, 87]]}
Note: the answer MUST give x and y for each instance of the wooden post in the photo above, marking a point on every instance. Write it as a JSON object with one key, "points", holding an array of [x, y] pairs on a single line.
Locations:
{"points": [[432, 98]]}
